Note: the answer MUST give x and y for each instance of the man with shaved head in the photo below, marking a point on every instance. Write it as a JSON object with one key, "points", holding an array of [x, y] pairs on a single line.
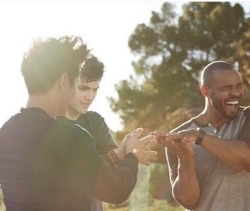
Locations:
{"points": [[209, 155]]}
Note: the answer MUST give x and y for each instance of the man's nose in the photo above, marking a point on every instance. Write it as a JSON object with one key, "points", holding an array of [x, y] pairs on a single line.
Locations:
{"points": [[236, 92], [90, 96]]}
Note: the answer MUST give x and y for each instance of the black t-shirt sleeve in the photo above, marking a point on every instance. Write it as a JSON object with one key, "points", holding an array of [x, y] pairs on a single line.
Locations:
{"points": [[114, 185], [99, 131]]}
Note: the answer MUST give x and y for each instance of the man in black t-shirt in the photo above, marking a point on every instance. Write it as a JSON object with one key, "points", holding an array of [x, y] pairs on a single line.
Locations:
{"points": [[46, 165], [77, 112]]}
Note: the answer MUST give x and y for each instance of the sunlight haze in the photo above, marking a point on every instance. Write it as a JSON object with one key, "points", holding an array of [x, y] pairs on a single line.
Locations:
{"points": [[104, 25]]}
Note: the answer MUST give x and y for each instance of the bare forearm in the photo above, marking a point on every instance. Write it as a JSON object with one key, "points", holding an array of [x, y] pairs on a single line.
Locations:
{"points": [[235, 154], [186, 187]]}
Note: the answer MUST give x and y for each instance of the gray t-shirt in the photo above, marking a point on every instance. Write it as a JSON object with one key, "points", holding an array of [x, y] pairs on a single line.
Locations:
{"points": [[222, 188]]}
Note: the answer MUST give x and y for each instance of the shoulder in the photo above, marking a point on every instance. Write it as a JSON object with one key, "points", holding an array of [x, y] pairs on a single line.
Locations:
{"points": [[183, 126], [92, 117], [64, 120], [69, 139], [73, 145], [69, 133], [244, 132], [76, 131], [246, 110], [93, 114]]}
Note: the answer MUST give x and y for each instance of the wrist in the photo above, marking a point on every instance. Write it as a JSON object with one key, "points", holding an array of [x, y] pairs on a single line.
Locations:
{"points": [[133, 151], [200, 136], [119, 152]]}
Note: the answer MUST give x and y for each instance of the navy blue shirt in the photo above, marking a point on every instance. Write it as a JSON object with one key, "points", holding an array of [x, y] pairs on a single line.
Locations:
{"points": [[45, 165]]}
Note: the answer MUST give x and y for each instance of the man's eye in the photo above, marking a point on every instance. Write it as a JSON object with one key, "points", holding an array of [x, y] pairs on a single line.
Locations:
{"points": [[226, 88], [82, 88], [240, 86]]}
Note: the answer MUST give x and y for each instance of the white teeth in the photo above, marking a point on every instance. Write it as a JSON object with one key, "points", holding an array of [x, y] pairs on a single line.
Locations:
{"points": [[233, 102]]}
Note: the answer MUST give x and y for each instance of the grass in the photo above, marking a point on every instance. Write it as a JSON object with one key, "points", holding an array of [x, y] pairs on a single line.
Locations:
{"points": [[2, 207], [145, 197], [154, 205]]}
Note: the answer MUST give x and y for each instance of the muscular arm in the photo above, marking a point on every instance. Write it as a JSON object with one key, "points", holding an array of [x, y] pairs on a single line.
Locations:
{"points": [[114, 185], [235, 154], [185, 186]]}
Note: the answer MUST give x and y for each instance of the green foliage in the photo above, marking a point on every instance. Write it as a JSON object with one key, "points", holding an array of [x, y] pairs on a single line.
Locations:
{"points": [[169, 53], [160, 187], [2, 206], [156, 205], [149, 194]]}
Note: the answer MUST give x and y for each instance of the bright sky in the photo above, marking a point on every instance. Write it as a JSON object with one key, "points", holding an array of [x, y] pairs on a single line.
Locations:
{"points": [[104, 25]]}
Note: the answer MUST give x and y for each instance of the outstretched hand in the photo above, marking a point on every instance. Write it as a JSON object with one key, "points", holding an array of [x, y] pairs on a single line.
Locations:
{"points": [[177, 143], [140, 147]]}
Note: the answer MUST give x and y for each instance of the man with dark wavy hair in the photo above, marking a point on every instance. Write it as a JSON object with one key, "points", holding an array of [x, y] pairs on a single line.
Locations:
{"points": [[46, 165], [77, 113]]}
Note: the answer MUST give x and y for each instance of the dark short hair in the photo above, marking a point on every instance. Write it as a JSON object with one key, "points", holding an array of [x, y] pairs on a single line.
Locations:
{"points": [[92, 69], [47, 59], [209, 70]]}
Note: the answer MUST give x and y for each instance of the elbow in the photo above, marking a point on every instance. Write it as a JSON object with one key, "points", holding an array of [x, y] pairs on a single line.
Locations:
{"points": [[245, 160], [189, 202], [121, 194], [116, 197], [119, 199], [191, 206], [114, 194], [246, 166], [242, 165]]}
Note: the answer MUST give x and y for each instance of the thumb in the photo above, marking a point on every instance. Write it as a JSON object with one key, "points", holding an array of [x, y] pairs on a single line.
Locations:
{"points": [[137, 132], [150, 154]]}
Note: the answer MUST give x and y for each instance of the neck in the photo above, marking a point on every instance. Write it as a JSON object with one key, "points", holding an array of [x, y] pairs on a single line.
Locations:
{"points": [[45, 102], [209, 115], [72, 114]]}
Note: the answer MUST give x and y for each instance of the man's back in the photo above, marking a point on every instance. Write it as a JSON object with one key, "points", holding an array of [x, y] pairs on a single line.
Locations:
{"points": [[44, 165]]}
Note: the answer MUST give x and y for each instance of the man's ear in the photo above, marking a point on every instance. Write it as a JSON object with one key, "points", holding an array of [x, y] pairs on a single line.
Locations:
{"points": [[204, 90], [64, 81]]}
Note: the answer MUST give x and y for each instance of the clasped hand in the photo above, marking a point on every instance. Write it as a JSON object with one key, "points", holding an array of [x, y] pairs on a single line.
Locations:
{"points": [[179, 143]]}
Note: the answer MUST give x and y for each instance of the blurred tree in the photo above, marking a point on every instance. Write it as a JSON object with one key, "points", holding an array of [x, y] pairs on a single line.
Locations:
{"points": [[170, 52]]}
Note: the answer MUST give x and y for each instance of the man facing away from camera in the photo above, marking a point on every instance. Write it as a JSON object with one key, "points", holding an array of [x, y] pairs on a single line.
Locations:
{"points": [[46, 165], [209, 155]]}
